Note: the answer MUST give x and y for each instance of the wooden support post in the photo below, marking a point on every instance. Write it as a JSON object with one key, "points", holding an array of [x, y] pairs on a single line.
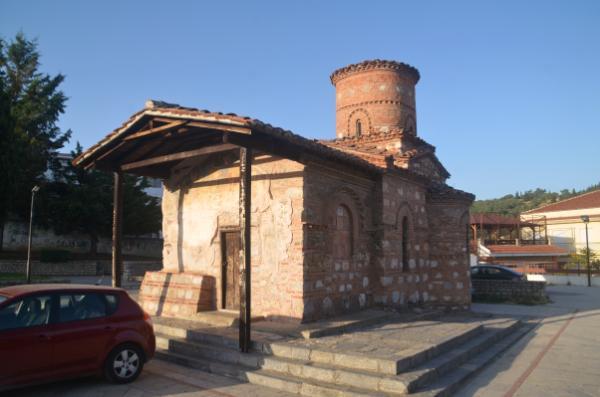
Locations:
{"points": [[117, 231], [245, 268]]}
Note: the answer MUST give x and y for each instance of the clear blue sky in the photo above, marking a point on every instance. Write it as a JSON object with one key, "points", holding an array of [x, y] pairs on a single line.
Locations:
{"points": [[509, 93]]}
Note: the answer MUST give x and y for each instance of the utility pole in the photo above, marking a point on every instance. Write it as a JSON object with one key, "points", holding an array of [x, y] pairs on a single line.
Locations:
{"points": [[35, 189], [586, 220]]}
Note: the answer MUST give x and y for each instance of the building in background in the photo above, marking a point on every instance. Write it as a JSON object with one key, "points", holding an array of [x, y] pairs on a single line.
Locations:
{"points": [[564, 225], [514, 242]]}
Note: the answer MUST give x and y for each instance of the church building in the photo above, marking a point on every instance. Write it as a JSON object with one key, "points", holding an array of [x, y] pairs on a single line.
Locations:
{"points": [[313, 228]]}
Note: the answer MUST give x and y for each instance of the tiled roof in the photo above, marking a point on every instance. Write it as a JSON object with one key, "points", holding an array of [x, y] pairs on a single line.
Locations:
{"points": [[526, 250], [583, 201]]}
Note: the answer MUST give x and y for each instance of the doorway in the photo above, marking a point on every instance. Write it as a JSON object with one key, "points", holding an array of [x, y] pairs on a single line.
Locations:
{"points": [[230, 248]]}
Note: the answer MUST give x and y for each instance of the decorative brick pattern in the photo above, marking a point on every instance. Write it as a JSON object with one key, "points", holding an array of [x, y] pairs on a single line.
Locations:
{"points": [[177, 294]]}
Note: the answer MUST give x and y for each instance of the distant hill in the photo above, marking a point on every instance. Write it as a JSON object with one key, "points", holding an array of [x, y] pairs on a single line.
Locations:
{"points": [[513, 204]]}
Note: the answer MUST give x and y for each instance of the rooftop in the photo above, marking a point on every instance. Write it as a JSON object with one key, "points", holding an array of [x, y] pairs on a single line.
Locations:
{"points": [[583, 201]]}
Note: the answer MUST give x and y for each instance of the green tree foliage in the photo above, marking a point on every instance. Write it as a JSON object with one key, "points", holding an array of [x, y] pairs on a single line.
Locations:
{"points": [[30, 105], [579, 259], [514, 204], [80, 201]]}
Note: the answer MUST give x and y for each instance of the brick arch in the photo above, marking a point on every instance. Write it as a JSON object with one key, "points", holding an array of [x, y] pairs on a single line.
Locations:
{"points": [[403, 212], [365, 119]]}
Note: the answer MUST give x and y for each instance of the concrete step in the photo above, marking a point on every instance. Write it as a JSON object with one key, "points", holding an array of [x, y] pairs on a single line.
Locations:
{"points": [[313, 388], [373, 364], [208, 351], [207, 365], [391, 384], [203, 333], [432, 370], [451, 382]]}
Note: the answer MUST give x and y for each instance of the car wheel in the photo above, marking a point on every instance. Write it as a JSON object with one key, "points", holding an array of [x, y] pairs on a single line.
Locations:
{"points": [[124, 364]]}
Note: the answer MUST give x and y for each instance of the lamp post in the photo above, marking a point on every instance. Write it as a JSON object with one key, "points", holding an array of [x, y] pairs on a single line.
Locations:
{"points": [[35, 189], [586, 220]]}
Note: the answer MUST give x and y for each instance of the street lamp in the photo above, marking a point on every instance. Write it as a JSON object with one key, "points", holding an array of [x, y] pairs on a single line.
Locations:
{"points": [[35, 189], [586, 220]]}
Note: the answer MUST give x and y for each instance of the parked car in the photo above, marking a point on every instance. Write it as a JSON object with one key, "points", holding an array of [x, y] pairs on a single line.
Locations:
{"points": [[56, 331], [495, 272]]}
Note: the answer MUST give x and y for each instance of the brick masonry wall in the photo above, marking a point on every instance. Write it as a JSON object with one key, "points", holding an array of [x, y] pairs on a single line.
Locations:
{"points": [[400, 286], [449, 261], [506, 289], [334, 285], [381, 99]]}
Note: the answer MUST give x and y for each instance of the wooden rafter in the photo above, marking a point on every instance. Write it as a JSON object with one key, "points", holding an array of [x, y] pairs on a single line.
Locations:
{"points": [[156, 130], [178, 156]]}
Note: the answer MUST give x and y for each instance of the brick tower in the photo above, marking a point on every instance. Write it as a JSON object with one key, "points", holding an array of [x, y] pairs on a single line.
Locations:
{"points": [[375, 97]]}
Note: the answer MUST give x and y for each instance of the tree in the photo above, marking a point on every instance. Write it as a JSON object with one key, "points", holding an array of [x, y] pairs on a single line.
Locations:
{"points": [[30, 105], [80, 201], [578, 259]]}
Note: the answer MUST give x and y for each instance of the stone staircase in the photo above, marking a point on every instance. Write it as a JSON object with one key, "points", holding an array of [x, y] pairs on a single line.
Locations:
{"points": [[300, 367]]}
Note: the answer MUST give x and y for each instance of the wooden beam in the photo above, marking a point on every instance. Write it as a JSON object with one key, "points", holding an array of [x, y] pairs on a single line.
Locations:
{"points": [[157, 130], [221, 127], [178, 156], [245, 254], [117, 230]]}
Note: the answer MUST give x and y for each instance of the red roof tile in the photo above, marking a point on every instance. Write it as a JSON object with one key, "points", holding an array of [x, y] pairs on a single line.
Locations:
{"points": [[583, 201], [527, 249]]}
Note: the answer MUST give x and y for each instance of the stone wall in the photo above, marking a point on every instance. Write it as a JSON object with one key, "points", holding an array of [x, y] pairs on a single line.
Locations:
{"points": [[403, 284], [16, 236], [509, 290], [75, 268], [202, 200], [334, 284], [449, 260]]}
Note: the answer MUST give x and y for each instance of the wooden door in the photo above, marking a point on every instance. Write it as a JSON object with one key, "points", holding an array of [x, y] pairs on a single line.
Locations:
{"points": [[231, 270]]}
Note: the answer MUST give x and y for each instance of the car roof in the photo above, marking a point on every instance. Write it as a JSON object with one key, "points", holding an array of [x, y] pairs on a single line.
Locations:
{"points": [[499, 267], [25, 289]]}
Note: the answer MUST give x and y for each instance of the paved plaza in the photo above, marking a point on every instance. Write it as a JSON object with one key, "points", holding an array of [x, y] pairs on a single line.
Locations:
{"points": [[559, 357]]}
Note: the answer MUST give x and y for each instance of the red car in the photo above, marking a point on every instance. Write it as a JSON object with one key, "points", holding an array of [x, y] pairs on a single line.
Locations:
{"points": [[56, 331]]}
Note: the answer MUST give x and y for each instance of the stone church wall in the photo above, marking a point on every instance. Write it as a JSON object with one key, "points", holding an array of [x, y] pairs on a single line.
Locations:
{"points": [[449, 259], [201, 202], [333, 283]]}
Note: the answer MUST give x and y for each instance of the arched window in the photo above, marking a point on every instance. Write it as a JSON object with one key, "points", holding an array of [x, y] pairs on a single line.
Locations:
{"points": [[405, 239], [358, 127], [342, 233]]}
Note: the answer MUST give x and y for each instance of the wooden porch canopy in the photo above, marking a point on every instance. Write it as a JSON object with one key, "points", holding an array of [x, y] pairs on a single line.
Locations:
{"points": [[158, 138]]}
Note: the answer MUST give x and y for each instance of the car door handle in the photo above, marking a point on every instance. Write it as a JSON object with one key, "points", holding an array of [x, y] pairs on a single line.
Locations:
{"points": [[44, 336], [108, 328]]}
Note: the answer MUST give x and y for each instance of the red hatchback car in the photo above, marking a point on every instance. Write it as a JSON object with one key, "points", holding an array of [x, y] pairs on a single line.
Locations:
{"points": [[56, 331]]}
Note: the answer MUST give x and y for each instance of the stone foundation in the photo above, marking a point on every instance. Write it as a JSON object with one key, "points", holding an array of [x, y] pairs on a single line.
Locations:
{"points": [[177, 294]]}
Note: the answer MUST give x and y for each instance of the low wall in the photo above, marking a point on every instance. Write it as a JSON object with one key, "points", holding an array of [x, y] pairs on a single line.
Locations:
{"points": [[131, 269], [177, 294], [509, 290], [16, 239], [571, 279], [74, 268]]}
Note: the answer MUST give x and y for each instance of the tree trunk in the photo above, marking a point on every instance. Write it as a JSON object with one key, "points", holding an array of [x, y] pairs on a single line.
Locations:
{"points": [[93, 244]]}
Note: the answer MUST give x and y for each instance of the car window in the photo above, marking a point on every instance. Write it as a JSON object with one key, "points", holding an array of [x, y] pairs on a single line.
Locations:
{"points": [[493, 271], [2, 298], [75, 307], [27, 312], [474, 271]]}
